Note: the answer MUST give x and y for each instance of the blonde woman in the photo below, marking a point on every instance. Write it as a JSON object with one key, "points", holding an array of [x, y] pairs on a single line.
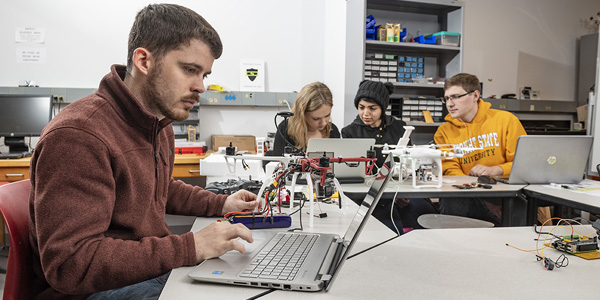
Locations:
{"points": [[311, 119]]}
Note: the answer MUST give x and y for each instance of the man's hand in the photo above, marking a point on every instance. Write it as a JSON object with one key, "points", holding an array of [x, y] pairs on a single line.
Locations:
{"points": [[241, 200], [218, 238], [480, 170]]}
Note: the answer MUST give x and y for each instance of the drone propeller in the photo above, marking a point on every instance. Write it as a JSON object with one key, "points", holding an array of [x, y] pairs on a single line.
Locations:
{"points": [[456, 147], [384, 145], [462, 150], [396, 146]]}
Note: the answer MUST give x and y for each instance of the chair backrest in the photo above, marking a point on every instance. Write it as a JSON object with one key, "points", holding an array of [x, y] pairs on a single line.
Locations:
{"points": [[14, 206]]}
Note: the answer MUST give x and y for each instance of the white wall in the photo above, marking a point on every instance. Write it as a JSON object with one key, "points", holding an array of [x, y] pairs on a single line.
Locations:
{"points": [[355, 51], [296, 38], [512, 43]]}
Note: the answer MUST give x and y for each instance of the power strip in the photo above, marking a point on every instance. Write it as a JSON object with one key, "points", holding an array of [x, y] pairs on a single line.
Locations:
{"points": [[260, 221]]}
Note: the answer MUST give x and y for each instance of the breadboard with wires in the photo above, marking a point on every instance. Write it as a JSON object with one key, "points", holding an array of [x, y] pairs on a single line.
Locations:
{"points": [[584, 245], [581, 246]]}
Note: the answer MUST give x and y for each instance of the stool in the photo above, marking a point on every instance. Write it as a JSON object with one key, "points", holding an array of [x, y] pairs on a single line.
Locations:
{"points": [[437, 221]]}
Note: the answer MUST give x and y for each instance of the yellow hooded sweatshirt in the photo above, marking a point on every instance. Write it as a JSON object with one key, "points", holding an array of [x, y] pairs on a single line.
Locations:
{"points": [[494, 131]]}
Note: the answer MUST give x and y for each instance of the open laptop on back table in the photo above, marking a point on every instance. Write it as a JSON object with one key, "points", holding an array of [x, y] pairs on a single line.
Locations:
{"points": [[345, 148], [320, 262], [544, 159]]}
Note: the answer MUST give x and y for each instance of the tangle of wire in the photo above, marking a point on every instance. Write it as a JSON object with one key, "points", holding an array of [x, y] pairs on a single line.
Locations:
{"points": [[273, 194], [562, 260]]}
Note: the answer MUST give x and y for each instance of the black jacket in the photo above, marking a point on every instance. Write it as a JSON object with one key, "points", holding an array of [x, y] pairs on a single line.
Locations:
{"points": [[282, 138], [390, 131]]}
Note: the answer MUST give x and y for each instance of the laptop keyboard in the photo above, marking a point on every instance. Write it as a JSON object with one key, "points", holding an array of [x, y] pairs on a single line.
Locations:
{"points": [[284, 259]]}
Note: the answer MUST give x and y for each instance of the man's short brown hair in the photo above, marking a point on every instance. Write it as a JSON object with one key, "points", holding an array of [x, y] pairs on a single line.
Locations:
{"points": [[161, 28], [468, 82]]}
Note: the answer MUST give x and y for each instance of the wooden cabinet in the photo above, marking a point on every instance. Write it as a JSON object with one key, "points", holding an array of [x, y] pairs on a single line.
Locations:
{"points": [[14, 169], [186, 165]]}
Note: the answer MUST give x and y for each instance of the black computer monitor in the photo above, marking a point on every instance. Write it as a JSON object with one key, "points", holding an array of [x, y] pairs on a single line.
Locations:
{"points": [[23, 116]]}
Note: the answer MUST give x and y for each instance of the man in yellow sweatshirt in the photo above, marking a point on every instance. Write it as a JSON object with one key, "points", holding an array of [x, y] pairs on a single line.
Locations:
{"points": [[472, 123]]}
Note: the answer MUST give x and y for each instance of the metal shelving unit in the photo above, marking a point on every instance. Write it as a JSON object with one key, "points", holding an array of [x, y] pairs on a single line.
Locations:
{"points": [[425, 17]]}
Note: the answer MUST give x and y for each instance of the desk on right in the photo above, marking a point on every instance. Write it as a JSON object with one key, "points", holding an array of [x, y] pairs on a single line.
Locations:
{"points": [[577, 199], [514, 207], [472, 263]]}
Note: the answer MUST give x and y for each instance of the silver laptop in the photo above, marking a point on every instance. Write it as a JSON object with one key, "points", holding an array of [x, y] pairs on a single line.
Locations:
{"points": [[345, 148], [321, 262], [544, 159]]}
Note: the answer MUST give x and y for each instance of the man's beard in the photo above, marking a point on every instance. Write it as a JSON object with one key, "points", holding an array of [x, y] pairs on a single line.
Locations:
{"points": [[158, 95]]}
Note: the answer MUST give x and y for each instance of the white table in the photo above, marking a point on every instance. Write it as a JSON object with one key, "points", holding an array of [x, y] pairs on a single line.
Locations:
{"points": [[565, 197], [180, 286], [514, 212], [407, 190], [459, 264]]}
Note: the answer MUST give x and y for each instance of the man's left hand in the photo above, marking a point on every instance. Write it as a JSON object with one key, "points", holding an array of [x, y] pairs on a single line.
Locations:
{"points": [[480, 170], [241, 200]]}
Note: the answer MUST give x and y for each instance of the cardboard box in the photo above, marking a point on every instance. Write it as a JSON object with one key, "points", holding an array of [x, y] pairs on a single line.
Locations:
{"points": [[582, 113], [242, 142]]}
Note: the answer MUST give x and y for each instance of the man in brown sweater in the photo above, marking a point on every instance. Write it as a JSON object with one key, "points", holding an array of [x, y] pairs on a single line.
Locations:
{"points": [[101, 172]]}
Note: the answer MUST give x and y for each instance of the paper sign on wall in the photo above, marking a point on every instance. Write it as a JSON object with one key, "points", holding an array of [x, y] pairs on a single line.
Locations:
{"points": [[30, 35], [31, 55], [252, 76]]}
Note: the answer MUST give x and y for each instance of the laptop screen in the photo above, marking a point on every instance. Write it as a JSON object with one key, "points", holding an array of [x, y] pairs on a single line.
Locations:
{"points": [[366, 208], [345, 148], [544, 159]]}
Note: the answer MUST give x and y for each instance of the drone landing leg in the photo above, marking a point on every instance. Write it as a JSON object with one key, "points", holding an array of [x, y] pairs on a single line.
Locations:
{"points": [[438, 161], [264, 186], [294, 177], [229, 165], [340, 193], [311, 199]]}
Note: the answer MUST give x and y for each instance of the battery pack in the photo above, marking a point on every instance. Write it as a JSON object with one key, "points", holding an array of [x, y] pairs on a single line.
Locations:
{"points": [[260, 221]]}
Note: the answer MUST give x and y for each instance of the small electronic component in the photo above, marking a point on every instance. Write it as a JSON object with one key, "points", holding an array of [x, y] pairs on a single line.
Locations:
{"points": [[486, 179], [574, 244], [548, 264], [472, 185]]}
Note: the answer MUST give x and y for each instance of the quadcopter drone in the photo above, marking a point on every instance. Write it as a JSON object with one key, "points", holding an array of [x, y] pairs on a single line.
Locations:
{"points": [[316, 170], [422, 161]]}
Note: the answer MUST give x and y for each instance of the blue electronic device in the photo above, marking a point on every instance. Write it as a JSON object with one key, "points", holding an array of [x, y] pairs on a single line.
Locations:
{"points": [[259, 221]]}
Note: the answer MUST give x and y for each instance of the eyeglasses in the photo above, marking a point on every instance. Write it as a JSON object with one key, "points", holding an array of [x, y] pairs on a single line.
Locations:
{"points": [[454, 97]]}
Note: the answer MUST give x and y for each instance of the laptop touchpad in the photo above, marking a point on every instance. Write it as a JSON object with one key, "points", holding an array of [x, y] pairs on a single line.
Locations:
{"points": [[250, 247]]}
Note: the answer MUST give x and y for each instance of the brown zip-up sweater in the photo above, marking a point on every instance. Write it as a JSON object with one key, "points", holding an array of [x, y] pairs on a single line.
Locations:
{"points": [[101, 185]]}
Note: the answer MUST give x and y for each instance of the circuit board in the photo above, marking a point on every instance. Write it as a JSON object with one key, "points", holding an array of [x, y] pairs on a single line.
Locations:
{"points": [[581, 246]]}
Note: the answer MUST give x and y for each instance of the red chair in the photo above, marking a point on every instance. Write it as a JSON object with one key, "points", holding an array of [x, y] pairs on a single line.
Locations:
{"points": [[14, 206]]}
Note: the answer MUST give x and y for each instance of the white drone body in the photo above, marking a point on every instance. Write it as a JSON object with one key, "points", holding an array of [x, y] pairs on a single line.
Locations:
{"points": [[420, 162]]}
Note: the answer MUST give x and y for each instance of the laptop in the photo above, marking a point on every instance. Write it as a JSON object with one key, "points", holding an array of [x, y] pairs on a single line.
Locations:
{"points": [[346, 148], [322, 262], [544, 159]]}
